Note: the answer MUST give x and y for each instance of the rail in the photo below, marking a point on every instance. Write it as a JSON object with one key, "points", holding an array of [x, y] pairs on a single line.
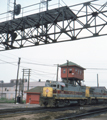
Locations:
{"points": [[87, 114]]}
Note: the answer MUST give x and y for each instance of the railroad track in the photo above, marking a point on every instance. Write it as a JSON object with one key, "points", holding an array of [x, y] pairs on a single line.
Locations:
{"points": [[25, 111], [94, 112], [17, 111]]}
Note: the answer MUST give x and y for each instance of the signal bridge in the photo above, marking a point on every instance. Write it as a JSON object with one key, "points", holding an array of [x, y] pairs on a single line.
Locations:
{"points": [[62, 24]]}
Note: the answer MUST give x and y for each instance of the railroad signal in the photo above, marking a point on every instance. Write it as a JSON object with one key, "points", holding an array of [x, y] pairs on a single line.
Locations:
{"points": [[17, 9]]}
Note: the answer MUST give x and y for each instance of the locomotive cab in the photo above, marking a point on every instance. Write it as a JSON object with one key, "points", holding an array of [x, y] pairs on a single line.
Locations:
{"points": [[49, 93]]}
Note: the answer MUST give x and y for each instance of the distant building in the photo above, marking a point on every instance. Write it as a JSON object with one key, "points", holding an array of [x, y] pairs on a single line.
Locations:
{"points": [[32, 85], [33, 95], [1, 81], [19, 80], [7, 90]]}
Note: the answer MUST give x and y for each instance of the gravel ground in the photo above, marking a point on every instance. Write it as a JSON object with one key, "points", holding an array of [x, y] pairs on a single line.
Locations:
{"points": [[46, 115], [51, 116], [39, 116], [12, 105]]}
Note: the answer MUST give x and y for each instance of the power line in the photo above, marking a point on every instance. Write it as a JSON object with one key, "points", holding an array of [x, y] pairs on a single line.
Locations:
{"points": [[8, 57], [7, 62], [29, 60], [26, 67], [39, 64], [42, 75], [43, 72], [97, 68]]}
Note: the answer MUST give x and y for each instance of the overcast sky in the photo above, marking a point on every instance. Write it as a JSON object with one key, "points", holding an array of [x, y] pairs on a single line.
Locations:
{"points": [[88, 53]]}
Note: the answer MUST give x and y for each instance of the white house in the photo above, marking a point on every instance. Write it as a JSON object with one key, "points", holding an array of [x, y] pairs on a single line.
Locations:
{"points": [[7, 90]]}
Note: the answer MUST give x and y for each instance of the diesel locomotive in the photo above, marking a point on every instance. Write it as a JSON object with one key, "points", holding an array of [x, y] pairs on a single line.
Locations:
{"points": [[70, 90], [60, 94]]}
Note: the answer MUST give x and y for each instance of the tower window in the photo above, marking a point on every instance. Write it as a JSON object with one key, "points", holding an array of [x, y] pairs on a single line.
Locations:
{"points": [[70, 70], [64, 71], [78, 71]]}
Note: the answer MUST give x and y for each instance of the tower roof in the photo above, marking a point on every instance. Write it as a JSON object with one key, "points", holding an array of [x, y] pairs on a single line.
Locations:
{"points": [[71, 64]]}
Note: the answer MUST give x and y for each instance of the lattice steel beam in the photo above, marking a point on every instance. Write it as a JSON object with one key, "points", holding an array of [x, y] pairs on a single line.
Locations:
{"points": [[53, 26]]}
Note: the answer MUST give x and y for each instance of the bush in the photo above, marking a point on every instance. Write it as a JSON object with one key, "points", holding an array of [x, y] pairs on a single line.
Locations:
{"points": [[5, 100]]}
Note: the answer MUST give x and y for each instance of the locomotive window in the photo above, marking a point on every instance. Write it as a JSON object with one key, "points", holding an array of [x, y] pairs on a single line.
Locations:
{"points": [[66, 85], [102, 91], [57, 86], [53, 85], [62, 88]]}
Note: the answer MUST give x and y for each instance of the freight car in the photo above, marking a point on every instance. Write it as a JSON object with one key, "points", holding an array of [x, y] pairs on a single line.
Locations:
{"points": [[60, 94]]}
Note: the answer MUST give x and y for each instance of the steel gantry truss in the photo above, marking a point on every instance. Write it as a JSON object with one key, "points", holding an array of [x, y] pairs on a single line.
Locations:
{"points": [[55, 25]]}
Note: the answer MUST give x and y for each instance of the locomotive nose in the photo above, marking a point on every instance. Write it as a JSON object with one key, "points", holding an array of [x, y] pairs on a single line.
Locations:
{"points": [[47, 92]]}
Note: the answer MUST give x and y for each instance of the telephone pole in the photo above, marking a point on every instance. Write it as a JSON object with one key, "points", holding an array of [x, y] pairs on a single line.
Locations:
{"points": [[17, 79], [22, 86], [27, 72], [97, 80], [57, 72], [28, 79], [67, 70]]}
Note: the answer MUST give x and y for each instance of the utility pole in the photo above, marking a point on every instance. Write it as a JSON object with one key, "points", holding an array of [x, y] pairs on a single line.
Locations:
{"points": [[28, 79], [57, 78], [27, 72], [20, 83], [17, 78], [2, 89], [67, 70], [57, 72], [97, 80], [22, 89]]}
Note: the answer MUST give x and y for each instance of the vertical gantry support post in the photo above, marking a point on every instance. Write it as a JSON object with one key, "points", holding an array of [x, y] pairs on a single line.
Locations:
{"points": [[86, 4], [7, 39], [22, 32], [63, 19], [73, 28], [46, 32], [95, 26], [86, 15]]}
